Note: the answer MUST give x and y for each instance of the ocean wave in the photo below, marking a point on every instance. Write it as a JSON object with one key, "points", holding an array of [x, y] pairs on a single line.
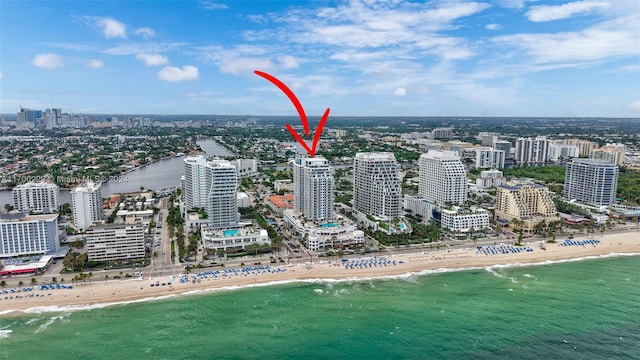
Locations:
{"points": [[5, 333], [408, 276]]}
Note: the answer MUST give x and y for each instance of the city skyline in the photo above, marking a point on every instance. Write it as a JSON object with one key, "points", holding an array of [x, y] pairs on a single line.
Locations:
{"points": [[360, 58]]}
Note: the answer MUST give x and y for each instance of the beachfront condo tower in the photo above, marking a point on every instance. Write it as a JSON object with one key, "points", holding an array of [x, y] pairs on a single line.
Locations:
{"points": [[376, 185], [212, 185], [443, 179], [313, 186], [86, 201], [591, 181]]}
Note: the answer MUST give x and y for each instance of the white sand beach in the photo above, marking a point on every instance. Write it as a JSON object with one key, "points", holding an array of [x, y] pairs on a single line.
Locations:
{"points": [[98, 293]]}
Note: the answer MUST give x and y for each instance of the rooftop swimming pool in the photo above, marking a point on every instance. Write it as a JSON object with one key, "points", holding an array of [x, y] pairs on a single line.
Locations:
{"points": [[330, 225], [230, 232]]}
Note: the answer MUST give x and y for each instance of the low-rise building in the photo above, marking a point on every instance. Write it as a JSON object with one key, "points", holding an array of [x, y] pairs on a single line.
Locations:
{"points": [[457, 219], [337, 233], [233, 239]]}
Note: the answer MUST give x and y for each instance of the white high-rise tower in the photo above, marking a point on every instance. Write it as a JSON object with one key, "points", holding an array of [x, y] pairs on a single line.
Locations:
{"points": [[40, 197], [376, 185], [313, 185], [212, 185], [86, 201], [443, 178]]}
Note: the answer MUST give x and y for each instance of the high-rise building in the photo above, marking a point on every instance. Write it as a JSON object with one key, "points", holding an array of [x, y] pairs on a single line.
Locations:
{"points": [[503, 145], [212, 185], [559, 151], [195, 189], [443, 179], [591, 181], [614, 153], [40, 197], [86, 201], [584, 146], [246, 167], [313, 186], [111, 242], [489, 158], [532, 151], [376, 185], [22, 234], [490, 179]]}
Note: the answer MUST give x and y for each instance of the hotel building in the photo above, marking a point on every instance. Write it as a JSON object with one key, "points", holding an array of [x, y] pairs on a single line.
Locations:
{"points": [[40, 197], [591, 181], [22, 234], [525, 201], [443, 179]]}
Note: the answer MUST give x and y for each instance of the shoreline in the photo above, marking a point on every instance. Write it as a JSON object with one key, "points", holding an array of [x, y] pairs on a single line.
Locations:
{"points": [[98, 293]]}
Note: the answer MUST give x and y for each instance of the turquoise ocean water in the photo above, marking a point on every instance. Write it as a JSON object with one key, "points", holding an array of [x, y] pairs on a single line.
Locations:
{"points": [[587, 309]]}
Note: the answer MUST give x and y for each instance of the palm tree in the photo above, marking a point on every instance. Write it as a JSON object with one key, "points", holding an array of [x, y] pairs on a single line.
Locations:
{"points": [[54, 280], [20, 283], [3, 284], [34, 281]]}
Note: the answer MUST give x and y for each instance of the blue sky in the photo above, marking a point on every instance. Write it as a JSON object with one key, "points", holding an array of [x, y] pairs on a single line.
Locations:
{"points": [[359, 58]]}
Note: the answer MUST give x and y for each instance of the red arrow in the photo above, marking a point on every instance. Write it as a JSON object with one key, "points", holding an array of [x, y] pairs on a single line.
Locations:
{"points": [[301, 113]]}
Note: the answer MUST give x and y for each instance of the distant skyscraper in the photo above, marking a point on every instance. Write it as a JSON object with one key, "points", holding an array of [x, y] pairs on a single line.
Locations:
{"points": [[489, 158], [376, 185], [86, 201], [532, 151], [443, 178], [41, 197], [313, 185], [212, 185], [591, 181]]}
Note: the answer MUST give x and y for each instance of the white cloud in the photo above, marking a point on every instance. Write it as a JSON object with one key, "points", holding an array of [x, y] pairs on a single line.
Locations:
{"points": [[144, 48], [111, 28], [245, 65], [400, 92], [634, 107], [95, 64], [48, 61], [145, 32], [556, 12], [288, 62], [176, 74], [493, 26], [615, 38], [153, 59], [210, 5]]}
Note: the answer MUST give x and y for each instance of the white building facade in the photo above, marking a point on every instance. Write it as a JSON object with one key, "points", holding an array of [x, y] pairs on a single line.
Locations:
{"points": [[489, 158], [22, 234], [376, 185], [313, 186], [38, 197], [86, 201], [212, 185], [532, 150], [116, 242], [443, 178], [465, 221], [591, 181]]}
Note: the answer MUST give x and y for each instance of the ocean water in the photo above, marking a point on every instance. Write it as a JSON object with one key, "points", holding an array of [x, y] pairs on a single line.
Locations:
{"points": [[587, 309]]}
